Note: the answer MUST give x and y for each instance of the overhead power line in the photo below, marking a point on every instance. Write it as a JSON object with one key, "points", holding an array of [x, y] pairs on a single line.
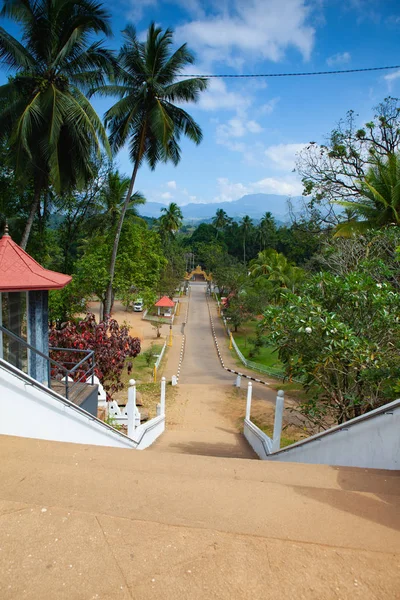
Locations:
{"points": [[305, 74]]}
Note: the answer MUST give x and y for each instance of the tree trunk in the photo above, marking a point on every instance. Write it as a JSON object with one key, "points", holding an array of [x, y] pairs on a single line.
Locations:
{"points": [[29, 223], [109, 295]]}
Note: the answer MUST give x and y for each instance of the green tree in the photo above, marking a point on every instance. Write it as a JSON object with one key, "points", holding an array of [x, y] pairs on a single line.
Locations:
{"points": [[221, 220], [147, 115], [379, 204], [340, 336], [266, 232], [246, 225], [333, 171], [111, 201], [170, 220], [52, 127]]}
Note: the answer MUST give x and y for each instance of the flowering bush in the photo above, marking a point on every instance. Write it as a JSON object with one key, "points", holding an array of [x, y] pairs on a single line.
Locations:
{"points": [[111, 343]]}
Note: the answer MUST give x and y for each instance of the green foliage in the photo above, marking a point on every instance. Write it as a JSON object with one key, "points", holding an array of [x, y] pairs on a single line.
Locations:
{"points": [[341, 336]]}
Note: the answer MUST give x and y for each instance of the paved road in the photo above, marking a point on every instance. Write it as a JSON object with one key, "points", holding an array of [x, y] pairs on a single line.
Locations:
{"points": [[201, 363], [195, 423]]}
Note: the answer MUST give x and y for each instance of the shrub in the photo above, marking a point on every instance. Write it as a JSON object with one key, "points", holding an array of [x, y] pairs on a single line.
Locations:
{"points": [[111, 343]]}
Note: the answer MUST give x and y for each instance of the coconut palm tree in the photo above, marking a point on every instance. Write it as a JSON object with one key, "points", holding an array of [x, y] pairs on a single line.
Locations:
{"points": [[379, 204], [276, 268], [171, 220], [52, 127], [246, 225], [149, 85], [111, 201], [221, 220], [266, 231]]}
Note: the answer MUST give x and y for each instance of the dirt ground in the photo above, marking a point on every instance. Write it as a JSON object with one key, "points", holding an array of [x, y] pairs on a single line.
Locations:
{"points": [[138, 327]]}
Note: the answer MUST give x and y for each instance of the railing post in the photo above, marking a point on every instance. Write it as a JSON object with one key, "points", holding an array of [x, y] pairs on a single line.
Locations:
{"points": [[248, 403], [276, 440], [162, 399], [131, 407], [230, 341], [155, 373]]}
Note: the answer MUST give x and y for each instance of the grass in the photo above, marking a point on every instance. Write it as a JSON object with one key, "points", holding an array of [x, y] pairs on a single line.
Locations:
{"points": [[267, 355], [262, 415]]}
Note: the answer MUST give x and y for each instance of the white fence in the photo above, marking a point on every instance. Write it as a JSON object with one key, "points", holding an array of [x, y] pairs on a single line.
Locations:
{"points": [[261, 443], [370, 441], [143, 434], [160, 356], [277, 373]]}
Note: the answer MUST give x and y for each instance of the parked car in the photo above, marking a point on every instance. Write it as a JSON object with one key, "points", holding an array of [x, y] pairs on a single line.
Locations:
{"points": [[138, 305], [168, 313]]}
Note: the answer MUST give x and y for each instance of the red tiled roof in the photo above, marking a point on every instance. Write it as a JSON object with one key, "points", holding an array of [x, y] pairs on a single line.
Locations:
{"points": [[20, 272], [165, 302]]}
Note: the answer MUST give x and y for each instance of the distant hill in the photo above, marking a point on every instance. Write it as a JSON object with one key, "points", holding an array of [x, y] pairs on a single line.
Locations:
{"points": [[254, 205]]}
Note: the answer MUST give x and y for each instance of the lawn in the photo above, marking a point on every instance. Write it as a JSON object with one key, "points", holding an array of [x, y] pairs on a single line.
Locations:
{"points": [[267, 355]]}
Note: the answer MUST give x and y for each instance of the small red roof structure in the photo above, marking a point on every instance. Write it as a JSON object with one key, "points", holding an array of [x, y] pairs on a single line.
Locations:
{"points": [[165, 302], [20, 272]]}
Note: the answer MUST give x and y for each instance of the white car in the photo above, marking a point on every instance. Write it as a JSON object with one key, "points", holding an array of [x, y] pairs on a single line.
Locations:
{"points": [[168, 313], [138, 305]]}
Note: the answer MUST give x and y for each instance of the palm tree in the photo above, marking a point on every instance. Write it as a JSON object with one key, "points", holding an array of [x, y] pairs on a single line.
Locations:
{"points": [[221, 220], [111, 201], [52, 127], [380, 199], [170, 220], [266, 231], [146, 116], [277, 269], [245, 225]]}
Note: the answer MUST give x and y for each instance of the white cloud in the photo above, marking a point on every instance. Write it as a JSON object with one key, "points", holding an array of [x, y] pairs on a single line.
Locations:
{"points": [[218, 97], [138, 7], [269, 106], [237, 128], [392, 77], [166, 196], [171, 185], [283, 156], [341, 58], [229, 191], [258, 29]]}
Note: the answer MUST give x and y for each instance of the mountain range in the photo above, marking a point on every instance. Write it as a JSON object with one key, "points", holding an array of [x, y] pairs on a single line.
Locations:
{"points": [[253, 205]]}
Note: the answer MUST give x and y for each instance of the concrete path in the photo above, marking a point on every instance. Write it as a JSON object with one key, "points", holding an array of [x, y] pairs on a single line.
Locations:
{"points": [[194, 422], [84, 523]]}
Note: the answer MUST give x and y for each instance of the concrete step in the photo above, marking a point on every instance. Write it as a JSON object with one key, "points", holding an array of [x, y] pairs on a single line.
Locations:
{"points": [[175, 525]]}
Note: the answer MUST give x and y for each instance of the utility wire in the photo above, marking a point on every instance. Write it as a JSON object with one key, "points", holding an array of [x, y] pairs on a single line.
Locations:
{"points": [[305, 74]]}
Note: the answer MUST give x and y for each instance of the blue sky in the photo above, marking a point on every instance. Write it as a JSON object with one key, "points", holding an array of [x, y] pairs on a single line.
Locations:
{"points": [[253, 128]]}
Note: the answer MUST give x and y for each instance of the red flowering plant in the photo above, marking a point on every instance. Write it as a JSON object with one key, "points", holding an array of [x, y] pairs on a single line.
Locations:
{"points": [[111, 343]]}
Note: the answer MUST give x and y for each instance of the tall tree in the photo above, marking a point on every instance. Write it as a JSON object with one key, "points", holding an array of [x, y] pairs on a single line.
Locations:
{"points": [[221, 220], [246, 225], [333, 171], [266, 232], [53, 128], [170, 220], [146, 115], [379, 204], [111, 201]]}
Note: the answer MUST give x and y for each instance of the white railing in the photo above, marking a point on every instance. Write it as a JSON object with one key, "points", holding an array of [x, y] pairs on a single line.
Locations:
{"points": [[251, 364], [143, 434], [160, 356], [261, 443]]}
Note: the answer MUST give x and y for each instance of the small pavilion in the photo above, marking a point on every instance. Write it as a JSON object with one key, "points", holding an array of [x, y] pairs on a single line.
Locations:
{"points": [[24, 289], [164, 302]]}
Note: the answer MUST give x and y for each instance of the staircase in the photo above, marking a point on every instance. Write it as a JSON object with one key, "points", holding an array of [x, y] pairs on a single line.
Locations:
{"points": [[91, 522]]}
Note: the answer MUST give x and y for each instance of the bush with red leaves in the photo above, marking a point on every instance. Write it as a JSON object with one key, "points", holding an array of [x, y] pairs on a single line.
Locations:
{"points": [[111, 343]]}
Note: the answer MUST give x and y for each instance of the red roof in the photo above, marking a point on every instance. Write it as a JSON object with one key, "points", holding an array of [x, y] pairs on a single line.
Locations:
{"points": [[20, 272], [165, 302]]}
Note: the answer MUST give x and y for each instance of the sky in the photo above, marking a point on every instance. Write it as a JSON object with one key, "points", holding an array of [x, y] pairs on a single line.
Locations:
{"points": [[253, 128]]}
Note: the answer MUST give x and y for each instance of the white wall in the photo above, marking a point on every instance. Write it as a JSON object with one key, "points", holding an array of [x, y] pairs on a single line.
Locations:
{"points": [[29, 410], [258, 440], [371, 441], [145, 435]]}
